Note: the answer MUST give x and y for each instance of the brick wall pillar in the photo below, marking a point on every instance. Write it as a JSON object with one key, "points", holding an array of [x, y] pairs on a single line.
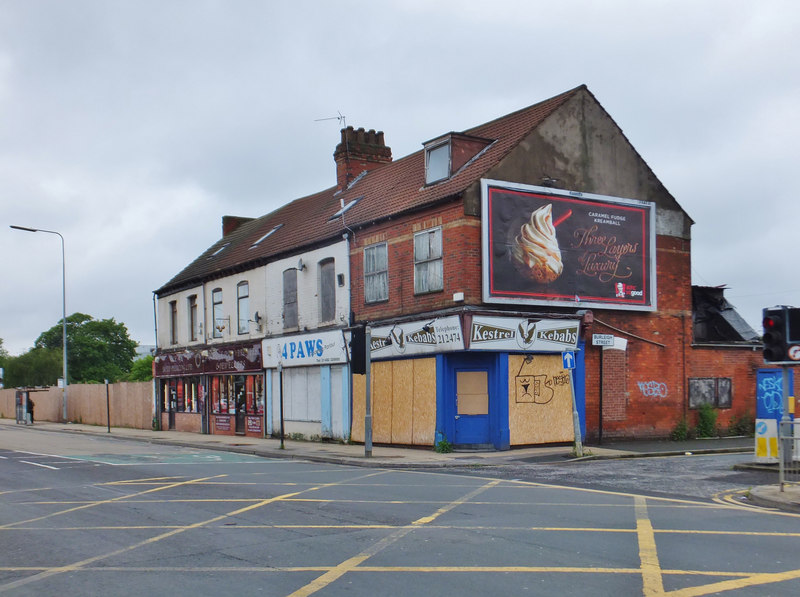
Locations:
{"points": [[615, 395]]}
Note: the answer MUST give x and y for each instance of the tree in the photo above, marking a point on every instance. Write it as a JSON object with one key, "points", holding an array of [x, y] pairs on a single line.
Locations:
{"points": [[142, 369], [3, 363], [37, 367], [96, 349]]}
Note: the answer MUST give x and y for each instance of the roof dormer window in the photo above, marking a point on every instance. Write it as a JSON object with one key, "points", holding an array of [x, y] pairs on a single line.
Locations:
{"points": [[437, 162]]}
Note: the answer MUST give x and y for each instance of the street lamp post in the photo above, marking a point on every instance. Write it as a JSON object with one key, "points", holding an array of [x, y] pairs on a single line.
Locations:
{"points": [[63, 309]]}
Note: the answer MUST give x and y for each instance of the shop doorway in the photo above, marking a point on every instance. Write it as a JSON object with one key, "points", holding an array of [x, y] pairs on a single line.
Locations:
{"points": [[472, 406], [239, 403], [173, 406], [472, 403]]}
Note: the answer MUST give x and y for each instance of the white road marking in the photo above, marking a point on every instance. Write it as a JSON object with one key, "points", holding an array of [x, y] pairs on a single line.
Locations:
{"points": [[42, 465]]}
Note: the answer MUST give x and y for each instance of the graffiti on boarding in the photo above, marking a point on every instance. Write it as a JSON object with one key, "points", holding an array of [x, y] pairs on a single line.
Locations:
{"points": [[770, 393], [653, 389]]}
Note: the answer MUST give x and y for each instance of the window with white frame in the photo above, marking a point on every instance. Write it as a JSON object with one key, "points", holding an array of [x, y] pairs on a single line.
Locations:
{"points": [[437, 162], [243, 307], [191, 307], [428, 273], [216, 312], [327, 290], [290, 319], [376, 273]]}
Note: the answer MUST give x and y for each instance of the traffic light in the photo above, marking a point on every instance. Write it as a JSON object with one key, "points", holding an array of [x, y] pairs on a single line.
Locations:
{"points": [[358, 350], [775, 328]]}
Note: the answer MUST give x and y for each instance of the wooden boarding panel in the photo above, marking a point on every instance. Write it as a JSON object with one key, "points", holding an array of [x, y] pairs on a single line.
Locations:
{"points": [[539, 400], [402, 401], [382, 402], [472, 388], [424, 430], [359, 391]]}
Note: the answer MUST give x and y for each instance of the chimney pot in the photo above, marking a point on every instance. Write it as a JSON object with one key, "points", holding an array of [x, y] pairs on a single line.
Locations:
{"points": [[358, 151]]}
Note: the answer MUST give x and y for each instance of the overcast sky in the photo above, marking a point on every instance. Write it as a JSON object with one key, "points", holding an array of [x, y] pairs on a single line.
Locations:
{"points": [[133, 126]]}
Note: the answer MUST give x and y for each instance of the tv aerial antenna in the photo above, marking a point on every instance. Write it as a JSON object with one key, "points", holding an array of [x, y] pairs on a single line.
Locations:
{"points": [[340, 118]]}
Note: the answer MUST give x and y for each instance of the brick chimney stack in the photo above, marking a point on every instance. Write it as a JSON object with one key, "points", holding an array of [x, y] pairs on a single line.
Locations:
{"points": [[359, 150], [232, 223]]}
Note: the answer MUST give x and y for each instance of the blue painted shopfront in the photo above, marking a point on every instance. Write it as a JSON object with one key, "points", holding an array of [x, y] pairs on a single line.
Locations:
{"points": [[485, 427]]}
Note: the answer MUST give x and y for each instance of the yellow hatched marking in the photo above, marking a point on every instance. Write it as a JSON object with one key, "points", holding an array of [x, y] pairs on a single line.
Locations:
{"points": [[101, 502], [648, 555], [753, 580], [352, 563], [88, 561]]}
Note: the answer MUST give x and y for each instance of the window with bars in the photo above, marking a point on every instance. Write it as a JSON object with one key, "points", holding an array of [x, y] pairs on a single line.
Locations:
{"points": [[376, 273], [428, 272]]}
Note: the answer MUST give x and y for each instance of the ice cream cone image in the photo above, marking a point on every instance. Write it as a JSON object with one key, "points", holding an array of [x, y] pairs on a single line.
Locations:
{"points": [[536, 248]]}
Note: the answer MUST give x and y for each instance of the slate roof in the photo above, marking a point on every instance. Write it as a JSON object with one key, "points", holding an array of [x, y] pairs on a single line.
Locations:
{"points": [[390, 189]]}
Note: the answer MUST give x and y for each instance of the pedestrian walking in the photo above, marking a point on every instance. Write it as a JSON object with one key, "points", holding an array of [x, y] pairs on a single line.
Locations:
{"points": [[30, 405]]}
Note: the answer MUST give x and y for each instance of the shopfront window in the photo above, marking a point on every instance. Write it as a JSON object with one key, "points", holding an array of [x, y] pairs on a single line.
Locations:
{"points": [[231, 394], [182, 394]]}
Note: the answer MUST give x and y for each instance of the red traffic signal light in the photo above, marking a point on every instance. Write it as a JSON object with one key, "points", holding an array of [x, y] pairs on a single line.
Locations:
{"points": [[774, 321]]}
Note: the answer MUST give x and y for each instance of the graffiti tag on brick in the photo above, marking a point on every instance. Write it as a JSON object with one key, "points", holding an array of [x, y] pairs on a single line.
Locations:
{"points": [[653, 389]]}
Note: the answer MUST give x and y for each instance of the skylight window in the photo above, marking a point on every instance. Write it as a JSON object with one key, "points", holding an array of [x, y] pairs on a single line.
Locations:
{"points": [[345, 209], [437, 162], [218, 251], [267, 235]]}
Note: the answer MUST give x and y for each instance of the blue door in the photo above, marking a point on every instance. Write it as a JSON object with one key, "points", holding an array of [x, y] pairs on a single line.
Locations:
{"points": [[472, 406]]}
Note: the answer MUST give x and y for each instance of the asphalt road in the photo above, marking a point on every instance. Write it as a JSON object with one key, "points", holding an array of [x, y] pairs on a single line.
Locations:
{"points": [[96, 516], [690, 476]]}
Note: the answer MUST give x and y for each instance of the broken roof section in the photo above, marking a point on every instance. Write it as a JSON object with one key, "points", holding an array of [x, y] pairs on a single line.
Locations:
{"points": [[715, 320]]}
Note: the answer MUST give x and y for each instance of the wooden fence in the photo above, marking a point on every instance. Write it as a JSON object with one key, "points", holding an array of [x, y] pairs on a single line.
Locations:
{"points": [[130, 404]]}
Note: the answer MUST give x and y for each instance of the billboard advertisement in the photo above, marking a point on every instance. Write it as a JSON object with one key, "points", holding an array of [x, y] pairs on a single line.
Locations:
{"points": [[544, 246]]}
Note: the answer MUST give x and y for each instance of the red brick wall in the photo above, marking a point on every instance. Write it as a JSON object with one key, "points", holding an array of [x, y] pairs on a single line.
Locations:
{"points": [[644, 388], [738, 364], [461, 251]]}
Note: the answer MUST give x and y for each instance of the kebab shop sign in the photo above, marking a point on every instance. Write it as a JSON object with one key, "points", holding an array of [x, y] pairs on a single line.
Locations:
{"points": [[303, 350], [548, 246]]}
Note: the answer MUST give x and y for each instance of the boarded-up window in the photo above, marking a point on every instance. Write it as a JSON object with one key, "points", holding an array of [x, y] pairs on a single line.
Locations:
{"points": [[173, 322], [290, 298], [301, 401], [327, 290], [472, 391], [715, 391]]}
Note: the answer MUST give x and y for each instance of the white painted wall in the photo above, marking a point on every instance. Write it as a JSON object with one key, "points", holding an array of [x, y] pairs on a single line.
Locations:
{"points": [[308, 285], [266, 297]]}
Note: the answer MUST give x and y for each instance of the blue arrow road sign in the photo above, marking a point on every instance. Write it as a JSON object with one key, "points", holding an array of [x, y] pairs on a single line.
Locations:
{"points": [[568, 359]]}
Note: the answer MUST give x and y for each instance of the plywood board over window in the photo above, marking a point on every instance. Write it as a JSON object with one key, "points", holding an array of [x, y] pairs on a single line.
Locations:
{"points": [[403, 402], [539, 400], [472, 391]]}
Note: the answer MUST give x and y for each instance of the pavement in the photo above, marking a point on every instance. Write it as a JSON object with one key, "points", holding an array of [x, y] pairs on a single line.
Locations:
{"points": [[773, 496]]}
